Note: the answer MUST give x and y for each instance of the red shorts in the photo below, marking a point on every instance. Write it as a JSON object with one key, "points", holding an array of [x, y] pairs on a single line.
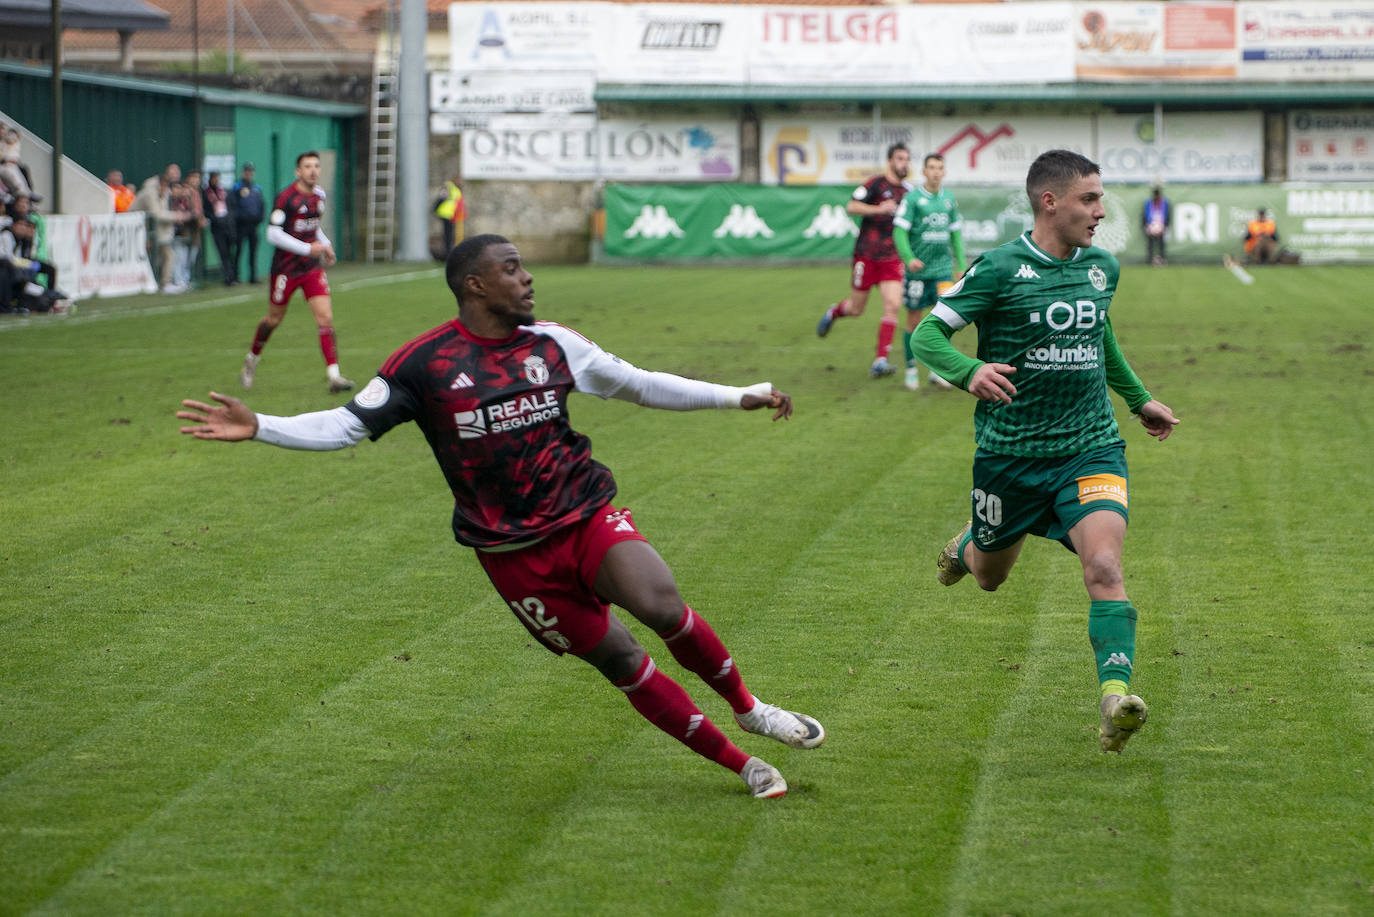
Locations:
{"points": [[312, 283], [549, 585], [869, 272]]}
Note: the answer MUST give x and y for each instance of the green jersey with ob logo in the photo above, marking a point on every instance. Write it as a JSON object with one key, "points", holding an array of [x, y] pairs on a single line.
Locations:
{"points": [[928, 220], [1047, 317]]}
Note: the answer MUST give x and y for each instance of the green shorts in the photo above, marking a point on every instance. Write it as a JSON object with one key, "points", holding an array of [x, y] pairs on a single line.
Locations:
{"points": [[1014, 495], [922, 292]]}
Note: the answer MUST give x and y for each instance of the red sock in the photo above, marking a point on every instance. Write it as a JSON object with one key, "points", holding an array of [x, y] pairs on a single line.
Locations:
{"points": [[837, 310], [887, 330], [698, 650], [260, 337], [661, 701], [329, 346]]}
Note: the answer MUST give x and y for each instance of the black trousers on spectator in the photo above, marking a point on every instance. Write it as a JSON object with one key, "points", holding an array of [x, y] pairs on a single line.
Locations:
{"points": [[222, 231], [246, 239]]}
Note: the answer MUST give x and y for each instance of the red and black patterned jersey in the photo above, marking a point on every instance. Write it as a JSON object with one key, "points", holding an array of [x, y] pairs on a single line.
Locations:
{"points": [[299, 215], [875, 232], [495, 413]]}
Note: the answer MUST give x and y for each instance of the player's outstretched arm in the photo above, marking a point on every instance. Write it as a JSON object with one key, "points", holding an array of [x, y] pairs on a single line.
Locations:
{"points": [[779, 400], [1157, 419], [230, 420]]}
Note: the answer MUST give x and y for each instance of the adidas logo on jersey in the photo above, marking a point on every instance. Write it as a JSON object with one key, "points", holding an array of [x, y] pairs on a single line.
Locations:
{"points": [[463, 381], [743, 222], [1027, 273], [654, 222], [831, 222]]}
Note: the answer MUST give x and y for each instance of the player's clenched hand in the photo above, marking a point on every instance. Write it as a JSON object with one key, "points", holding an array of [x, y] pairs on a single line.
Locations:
{"points": [[781, 401], [1157, 419], [992, 382], [230, 420]]}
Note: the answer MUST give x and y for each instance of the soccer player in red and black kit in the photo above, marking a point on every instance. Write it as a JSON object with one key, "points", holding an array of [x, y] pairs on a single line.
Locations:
{"points": [[489, 390], [876, 262], [303, 252]]}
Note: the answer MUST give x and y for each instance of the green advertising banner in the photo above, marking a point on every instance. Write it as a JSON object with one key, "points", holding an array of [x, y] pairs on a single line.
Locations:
{"points": [[1322, 223]]}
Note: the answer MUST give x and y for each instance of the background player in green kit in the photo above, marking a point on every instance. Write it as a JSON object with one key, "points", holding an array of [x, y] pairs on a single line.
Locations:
{"points": [[926, 230], [1050, 459]]}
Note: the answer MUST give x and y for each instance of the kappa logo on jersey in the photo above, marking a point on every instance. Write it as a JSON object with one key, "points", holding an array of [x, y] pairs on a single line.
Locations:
{"points": [[1028, 273], [536, 370], [504, 416], [743, 222], [463, 381], [654, 222], [831, 222], [1098, 278]]}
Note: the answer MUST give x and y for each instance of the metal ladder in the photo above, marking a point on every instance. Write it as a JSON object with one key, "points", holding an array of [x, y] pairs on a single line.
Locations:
{"points": [[381, 178]]}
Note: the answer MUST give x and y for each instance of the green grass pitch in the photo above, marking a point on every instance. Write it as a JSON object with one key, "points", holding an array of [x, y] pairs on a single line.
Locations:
{"points": [[243, 680]]}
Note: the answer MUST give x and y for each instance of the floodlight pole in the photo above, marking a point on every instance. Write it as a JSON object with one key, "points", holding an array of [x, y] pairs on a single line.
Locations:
{"points": [[412, 218], [56, 106]]}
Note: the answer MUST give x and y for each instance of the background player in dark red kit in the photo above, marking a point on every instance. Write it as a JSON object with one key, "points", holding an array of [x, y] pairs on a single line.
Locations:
{"points": [[489, 390], [303, 252], [876, 262]]}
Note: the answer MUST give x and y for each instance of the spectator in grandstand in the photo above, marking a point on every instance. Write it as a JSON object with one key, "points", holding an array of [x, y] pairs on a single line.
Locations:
{"points": [[181, 236], [248, 208], [876, 262], [155, 199], [123, 194], [451, 212], [194, 189], [1155, 218], [13, 173], [928, 233], [490, 389], [303, 252], [215, 204], [24, 255]]}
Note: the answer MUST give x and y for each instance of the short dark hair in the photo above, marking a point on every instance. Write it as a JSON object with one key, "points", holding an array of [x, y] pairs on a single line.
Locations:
{"points": [[1055, 170], [466, 258], [929, 156], [306, 155], [895, 147]]}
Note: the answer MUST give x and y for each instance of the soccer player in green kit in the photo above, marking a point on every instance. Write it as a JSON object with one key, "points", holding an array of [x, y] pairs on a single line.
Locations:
{"points": [[1050, 460], [926, 230]]}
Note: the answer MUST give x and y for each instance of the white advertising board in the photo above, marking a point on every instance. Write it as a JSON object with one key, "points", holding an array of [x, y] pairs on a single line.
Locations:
{"points": [[1307, 40], [994, 150], [662, 150], [491, 91], [676, 44], [104, 255], [989, 42], [1196, 147], [526, 36], [1331, 145], [1193, 40]]}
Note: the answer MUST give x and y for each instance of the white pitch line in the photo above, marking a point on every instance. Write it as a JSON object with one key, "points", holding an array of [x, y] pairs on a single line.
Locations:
{"points": [[85, 318]]}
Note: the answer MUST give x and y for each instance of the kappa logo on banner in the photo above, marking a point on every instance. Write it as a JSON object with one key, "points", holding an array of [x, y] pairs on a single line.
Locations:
{"points": [[831, 222], [743, 222], [654, 222]]}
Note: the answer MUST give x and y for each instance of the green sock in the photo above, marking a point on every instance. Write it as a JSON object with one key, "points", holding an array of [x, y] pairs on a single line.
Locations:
{"points": [[906, 345], [1111, 630], [964, 539]]}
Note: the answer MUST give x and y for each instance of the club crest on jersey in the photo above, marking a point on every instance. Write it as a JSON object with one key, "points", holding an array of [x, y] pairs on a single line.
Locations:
{"points": [[536, 370], [1098, 278]]}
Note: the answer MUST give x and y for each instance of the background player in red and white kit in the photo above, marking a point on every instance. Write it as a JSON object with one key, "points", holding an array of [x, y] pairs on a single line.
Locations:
{"points": [[876, 262], [490, 392], [303, 251]]}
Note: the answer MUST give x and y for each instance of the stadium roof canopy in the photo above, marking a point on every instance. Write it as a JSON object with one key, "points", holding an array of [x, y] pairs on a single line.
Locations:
{"points": [[107, 15], [1141, 93]]}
